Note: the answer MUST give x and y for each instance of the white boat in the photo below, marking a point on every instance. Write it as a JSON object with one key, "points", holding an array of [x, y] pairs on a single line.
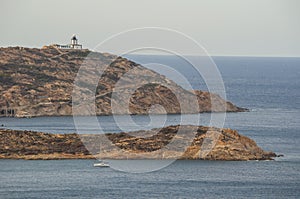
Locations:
{"points": [[101, 164]]}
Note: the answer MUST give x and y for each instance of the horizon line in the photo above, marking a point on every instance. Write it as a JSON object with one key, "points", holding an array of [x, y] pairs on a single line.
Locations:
{"points": [[216, 55]]}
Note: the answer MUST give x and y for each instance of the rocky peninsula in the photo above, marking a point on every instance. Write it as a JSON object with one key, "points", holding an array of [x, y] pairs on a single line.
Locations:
{"points": [[228, 145], [39, 82]]}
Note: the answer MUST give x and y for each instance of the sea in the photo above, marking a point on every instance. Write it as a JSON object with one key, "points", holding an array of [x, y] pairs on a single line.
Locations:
{"points": [[268, 86]]}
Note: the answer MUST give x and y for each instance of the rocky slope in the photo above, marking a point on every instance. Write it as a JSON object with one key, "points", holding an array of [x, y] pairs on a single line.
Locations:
{"points": [[39, 82], [228, 145]]}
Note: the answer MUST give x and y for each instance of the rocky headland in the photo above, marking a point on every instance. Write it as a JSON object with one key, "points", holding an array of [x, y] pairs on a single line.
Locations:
{"points": [[228, 145], [39, 82]]}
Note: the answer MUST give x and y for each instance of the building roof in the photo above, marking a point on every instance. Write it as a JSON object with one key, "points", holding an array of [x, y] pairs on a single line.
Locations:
{"points": [[74, 37]]}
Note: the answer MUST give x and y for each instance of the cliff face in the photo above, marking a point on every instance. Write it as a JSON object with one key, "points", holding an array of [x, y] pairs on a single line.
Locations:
{"points": [[229, 145], [39, 82]]}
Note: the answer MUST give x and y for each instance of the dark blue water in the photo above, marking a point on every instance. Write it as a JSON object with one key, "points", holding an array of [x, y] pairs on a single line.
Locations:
{"points": [[269, 87], [182, 179]]}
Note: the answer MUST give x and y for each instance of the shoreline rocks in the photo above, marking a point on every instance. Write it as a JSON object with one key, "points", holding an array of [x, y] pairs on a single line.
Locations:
{"points": [[228, 145]]}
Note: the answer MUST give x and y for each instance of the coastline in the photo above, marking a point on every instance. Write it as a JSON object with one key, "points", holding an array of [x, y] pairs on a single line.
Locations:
{"points": [[43, 85], [230, 145]]}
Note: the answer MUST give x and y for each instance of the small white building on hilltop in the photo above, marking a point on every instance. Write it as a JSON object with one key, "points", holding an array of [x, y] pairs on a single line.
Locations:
{"points": [[73, 45]]}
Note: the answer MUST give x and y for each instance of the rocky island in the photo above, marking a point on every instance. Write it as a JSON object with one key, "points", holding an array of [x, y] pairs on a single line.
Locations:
{"points": [[39, 82], [229, 145]]}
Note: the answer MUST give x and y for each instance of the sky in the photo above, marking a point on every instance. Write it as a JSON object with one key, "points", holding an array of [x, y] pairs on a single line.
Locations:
{"points": [[222, 27]]}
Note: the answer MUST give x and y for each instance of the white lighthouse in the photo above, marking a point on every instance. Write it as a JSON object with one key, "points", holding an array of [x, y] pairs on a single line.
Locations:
{"points": [[74, 40], [74, 43]]}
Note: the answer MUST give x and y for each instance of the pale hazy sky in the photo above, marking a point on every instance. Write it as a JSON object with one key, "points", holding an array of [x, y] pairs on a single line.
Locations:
{"points": [[223, 27]]}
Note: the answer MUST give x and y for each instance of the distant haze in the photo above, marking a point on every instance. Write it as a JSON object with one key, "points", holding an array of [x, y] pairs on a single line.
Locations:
{"points": [[229, 27]]}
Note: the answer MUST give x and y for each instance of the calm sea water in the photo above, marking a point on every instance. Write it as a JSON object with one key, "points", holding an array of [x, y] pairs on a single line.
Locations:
{"points": [[269, 87]]}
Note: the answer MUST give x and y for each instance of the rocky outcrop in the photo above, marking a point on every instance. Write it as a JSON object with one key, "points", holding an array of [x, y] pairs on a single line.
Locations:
{"points": [[228, 145], [39, 82], [38, 145]]}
